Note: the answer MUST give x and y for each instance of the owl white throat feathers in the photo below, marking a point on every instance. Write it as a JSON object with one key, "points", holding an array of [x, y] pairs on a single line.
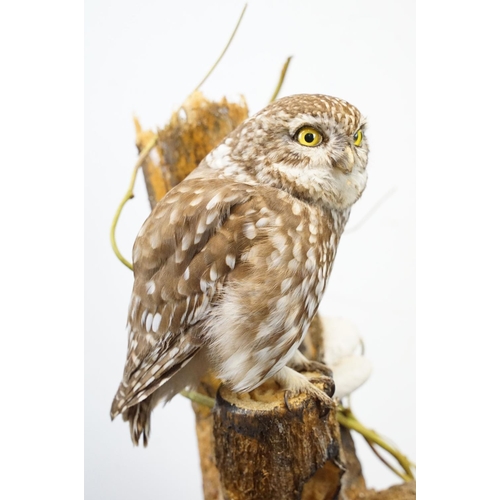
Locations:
{"points": [[232, 263]]}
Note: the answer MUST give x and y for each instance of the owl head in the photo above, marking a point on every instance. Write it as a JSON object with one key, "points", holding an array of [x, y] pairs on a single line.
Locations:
{"points": [[312, 146]]}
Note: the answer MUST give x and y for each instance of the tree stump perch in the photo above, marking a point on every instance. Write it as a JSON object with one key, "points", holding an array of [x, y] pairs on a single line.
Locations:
{"points": [[265, 449]]}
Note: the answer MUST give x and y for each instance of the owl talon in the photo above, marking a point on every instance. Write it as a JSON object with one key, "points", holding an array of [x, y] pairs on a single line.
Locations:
{"points": [[301, 364], [295, 383], [327, 383], [316, 366], [324, 409], [324, 402], [287, 404]]}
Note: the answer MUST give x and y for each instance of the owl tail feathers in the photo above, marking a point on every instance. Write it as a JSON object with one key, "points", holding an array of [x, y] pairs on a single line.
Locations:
{"points": [[119, 401], [139, 419], [138, 413], [138, 416]]}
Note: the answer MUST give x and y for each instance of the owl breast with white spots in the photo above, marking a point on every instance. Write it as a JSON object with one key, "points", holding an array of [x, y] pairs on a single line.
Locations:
{"points": [[232, 263]]}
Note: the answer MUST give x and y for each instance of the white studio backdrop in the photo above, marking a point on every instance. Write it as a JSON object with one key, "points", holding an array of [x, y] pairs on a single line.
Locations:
{"points": [[144, 58]]}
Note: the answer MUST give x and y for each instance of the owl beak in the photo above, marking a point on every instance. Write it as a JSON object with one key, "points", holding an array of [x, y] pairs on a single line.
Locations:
{"points": [[346, 162], [345, 166]]}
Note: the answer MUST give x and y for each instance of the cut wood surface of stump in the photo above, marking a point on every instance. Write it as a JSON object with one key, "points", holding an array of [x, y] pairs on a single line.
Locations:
{"points": [[252, 446]]}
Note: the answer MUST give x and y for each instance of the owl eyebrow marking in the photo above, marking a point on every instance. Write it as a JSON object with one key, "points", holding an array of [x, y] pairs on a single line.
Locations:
{"points": [[315, 126], [362, 123]]}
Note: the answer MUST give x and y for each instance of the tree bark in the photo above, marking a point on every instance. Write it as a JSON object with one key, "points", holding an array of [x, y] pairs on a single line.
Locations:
{"points": [[265, 449]]}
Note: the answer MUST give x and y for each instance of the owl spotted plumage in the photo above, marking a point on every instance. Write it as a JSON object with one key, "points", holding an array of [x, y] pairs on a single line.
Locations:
{"points": [[232, 263]]}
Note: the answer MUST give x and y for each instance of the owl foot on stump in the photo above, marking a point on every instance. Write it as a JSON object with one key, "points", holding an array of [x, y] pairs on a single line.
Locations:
{"points": [[295, 383], [301, 364]]}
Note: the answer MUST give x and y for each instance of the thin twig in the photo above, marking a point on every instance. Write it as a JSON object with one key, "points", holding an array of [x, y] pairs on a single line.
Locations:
{"points": [[347, 419], [371, 211], [224, 51], [144, 153], [199, 398], [128, 196], [386, 463], [281, 80]]}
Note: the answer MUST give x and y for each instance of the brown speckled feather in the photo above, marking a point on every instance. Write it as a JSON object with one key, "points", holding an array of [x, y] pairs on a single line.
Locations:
{"points": [[180, 264]]}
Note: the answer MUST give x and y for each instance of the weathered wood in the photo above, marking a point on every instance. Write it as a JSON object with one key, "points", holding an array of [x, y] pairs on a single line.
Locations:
{"points": [[206, 446], [353, 486], [196, 128], [212, 489], [404, 491], [312, 346], [156, 184]]}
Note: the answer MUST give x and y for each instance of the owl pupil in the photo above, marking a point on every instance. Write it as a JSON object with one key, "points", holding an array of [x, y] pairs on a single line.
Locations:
{"points": [[309, 137]]}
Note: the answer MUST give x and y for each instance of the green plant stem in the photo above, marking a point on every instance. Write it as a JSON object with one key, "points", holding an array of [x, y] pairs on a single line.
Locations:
{"points": [[128, 196], [347, 419], [281, 80], [199, 398], [404, 477], [144, 153], [224, 51]]}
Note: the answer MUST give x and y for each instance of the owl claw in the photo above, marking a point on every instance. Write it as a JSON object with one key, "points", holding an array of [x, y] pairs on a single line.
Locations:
{"points": [[325, 403], [287, 404], [324, 409], [295, 383], [301, 364], [328, 384], [316, 366]]}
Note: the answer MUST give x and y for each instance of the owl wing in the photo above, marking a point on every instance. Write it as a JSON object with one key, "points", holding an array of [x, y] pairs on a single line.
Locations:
{"points": [[182, 256]]}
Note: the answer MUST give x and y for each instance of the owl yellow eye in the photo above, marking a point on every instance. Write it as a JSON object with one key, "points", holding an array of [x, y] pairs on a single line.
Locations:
{"points": [[358, 137], [308, 136]]}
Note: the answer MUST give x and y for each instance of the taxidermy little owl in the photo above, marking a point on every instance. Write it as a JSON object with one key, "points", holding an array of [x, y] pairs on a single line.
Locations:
{"points": [[232, 263]]}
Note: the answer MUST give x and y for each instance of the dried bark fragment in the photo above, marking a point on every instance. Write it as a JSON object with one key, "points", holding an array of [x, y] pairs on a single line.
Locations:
{"points": [[404, 491], [312, 346], [206, 443], [193, 131], [156, 183], [353, 483]]}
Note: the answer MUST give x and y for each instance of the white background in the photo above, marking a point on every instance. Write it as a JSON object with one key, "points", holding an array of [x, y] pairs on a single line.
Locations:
{"points": [[41, 250], [145, 58]]}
